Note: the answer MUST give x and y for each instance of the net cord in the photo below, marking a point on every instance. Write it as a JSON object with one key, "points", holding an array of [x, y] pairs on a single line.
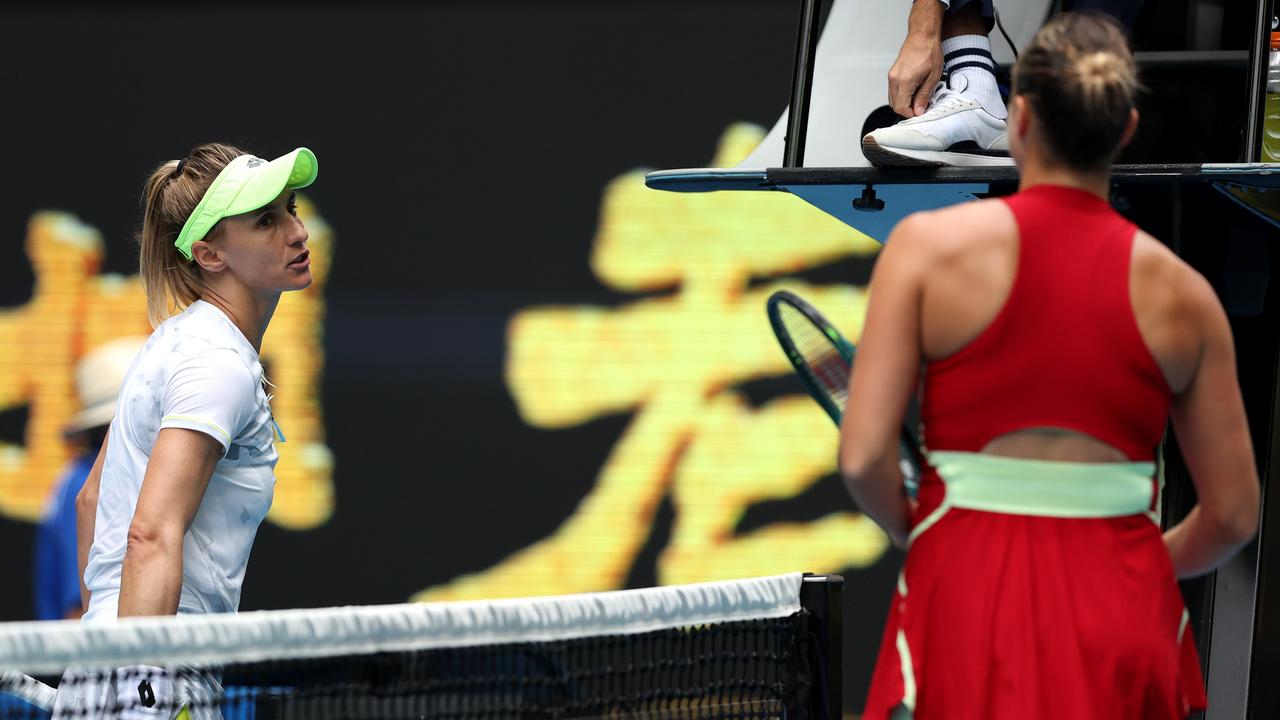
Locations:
{"points": [[52, 646]]}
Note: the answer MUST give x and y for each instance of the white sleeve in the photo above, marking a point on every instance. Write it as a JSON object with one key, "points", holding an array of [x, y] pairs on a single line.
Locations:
{"points": [[946, 3], [210, 392]]}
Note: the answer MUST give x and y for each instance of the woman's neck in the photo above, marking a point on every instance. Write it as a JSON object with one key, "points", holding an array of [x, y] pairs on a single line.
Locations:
{"points": [[249, 312], [1034, 172]]}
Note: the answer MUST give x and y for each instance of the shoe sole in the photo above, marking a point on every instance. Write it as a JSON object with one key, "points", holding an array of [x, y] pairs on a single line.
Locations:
{"points": [[881, 156]]}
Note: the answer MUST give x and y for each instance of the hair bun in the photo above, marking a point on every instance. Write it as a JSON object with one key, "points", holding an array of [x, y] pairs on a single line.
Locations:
{"points": [[1080, 78], [1100, 67], [1100, 76]]}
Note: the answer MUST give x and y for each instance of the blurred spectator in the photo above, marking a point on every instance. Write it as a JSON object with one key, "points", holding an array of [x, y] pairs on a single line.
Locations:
{"points": [[99, 376]]}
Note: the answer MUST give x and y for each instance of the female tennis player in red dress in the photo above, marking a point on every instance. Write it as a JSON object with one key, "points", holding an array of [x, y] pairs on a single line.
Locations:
{"points": [[1055, 340]]}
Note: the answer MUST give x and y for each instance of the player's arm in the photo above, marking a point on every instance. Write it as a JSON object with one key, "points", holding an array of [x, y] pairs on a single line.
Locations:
{"points": [[919, 63], [86, 516], [1213, 436], [208, 399], [884, 379], [182, 461]]}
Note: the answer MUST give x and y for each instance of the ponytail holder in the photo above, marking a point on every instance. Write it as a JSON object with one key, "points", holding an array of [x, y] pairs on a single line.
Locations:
{"points": [[178, 170]]}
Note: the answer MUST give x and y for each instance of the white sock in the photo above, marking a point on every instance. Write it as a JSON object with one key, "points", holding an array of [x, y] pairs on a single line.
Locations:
{"points": [[970, 56]]}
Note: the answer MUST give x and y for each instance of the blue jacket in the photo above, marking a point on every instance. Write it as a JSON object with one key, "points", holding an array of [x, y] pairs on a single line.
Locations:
{"points": [[57, 578]]}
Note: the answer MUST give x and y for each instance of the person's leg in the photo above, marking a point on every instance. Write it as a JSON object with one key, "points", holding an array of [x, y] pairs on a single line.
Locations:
{"points": [[968, 17], [966, 51], [965, 122]]}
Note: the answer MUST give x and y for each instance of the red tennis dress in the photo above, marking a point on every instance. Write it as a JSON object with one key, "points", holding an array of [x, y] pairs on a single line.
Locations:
{"points": [[1069, 611]]}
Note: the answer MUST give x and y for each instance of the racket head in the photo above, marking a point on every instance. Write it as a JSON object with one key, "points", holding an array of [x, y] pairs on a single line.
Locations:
{"points": [[823, 358], [818, 352]]}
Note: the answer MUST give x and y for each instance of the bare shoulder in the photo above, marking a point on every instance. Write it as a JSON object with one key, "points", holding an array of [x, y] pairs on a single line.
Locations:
{"points": [[958, 230], [1158, 273], [1177, 311], [962, 259]]}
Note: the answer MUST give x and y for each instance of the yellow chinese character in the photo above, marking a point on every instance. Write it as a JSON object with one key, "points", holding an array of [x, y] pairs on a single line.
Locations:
{"points": [[673, 361]]}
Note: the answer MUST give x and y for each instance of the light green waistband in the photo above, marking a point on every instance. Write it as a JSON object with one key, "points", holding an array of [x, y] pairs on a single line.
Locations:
{"points": [[976, 481]]}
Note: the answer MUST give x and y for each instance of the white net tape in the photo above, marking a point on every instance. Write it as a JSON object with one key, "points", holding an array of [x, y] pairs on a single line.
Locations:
{"points": [[51, 647]]}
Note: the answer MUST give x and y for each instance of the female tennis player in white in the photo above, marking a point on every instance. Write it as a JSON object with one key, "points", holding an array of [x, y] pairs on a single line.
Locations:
{"points": [[168, 515]]}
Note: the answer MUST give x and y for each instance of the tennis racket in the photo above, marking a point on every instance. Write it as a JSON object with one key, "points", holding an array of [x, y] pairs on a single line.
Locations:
{"points": [[27, 689], [823, 359]]}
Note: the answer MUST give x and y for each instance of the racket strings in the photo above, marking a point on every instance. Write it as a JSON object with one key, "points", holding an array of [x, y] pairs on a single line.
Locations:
{"points": [[826, 366], [833, 373]]}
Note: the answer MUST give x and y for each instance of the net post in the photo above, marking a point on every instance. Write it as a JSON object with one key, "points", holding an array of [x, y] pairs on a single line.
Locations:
{"points": [[802, 83], [821, 596]]}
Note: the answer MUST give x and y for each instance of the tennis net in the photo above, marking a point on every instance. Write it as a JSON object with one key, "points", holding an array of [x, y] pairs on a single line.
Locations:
{"points": [[754, 648]]}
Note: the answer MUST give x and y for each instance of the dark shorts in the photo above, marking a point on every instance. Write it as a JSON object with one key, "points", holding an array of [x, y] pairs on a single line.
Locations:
{"points": [[1126, 11]]}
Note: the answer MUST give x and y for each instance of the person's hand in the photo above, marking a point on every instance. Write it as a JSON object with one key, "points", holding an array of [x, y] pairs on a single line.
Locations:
{"points": [[915, 72], [919, 63]]}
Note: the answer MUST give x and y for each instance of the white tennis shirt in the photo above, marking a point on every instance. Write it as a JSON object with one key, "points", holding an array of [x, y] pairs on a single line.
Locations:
{"points": [[197, 372]]}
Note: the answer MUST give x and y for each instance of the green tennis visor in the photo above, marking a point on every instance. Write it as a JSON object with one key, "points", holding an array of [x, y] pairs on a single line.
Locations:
{"points": [[244, 185]]}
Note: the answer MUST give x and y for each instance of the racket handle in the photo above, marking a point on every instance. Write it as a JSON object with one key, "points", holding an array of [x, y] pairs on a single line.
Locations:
{"points": [[26, 688], [909, 462]]}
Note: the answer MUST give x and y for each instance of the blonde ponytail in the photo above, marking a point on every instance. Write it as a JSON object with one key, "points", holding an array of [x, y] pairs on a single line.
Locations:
{"points": [[170, 195]]}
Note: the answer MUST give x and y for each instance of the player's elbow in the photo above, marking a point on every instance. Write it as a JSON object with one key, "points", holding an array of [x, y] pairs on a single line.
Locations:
{"points": [[1240, 527], [1244, 521], [1247, 527], [857, 463], [1236, 520], [86, 501], [149, 539]]}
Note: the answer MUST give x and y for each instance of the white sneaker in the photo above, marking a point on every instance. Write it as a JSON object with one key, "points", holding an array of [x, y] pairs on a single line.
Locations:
{"points": [[955, 130]]}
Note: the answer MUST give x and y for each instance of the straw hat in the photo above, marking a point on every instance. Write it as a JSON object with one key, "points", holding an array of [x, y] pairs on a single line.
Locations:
{"points": [[99, 375]]}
